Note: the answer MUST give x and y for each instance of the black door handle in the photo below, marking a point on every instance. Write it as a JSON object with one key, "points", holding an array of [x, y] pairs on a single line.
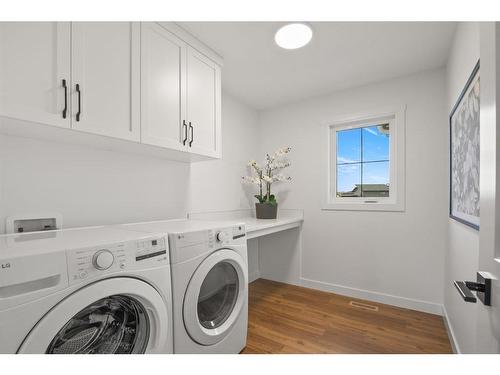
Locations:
{"points": [[192, 134], [184, 125], [465, 292], [482, 287], [65, 110], [78, 114]]}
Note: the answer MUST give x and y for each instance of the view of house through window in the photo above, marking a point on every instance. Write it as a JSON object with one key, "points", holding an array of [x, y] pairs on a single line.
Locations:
{"points": [[363, 161]]}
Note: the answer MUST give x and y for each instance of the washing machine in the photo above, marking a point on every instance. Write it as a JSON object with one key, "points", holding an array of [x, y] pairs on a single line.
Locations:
{"points": [[92, 290], [209, 284]]}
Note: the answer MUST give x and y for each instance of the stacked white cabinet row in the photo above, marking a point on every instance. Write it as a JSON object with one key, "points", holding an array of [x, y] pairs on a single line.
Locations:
{"points": [[126, 80]]}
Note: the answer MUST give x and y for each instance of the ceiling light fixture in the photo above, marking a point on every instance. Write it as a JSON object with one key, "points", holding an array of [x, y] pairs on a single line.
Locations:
{"points": [[293, 35]]}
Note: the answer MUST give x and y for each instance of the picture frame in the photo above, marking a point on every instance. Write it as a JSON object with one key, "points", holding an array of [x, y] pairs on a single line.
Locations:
{"points": [[464, 123]]}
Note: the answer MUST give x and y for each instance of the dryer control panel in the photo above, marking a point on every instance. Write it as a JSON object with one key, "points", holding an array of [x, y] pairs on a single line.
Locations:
{"points": [[213, 237], [187, 245], [133, 255], [227, 235]]}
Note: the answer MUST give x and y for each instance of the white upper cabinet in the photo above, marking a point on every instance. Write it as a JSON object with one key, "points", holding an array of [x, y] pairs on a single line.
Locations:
{"points": [[149, 83], [203, 104], [163, 87], [105, 61], [180, 94], [34, 71]]}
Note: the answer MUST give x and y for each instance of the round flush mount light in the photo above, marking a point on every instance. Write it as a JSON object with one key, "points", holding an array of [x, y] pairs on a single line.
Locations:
{"points": [[293, 35]]}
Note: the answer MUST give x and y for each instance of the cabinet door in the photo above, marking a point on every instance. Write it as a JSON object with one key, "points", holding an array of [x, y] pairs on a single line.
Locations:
{"points": [[34, 63], [203, 104], [163, 87], [106, 78]]}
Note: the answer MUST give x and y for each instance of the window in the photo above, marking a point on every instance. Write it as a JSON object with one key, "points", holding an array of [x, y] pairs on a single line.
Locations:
{"points": [[366, 163]]}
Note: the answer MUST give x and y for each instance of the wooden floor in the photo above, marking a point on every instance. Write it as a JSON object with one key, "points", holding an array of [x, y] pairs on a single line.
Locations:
{"points": [[290, 319]]}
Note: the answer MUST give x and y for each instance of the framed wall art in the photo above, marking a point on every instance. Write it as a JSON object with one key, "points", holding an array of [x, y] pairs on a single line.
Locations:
{"points": [[464, 154]]}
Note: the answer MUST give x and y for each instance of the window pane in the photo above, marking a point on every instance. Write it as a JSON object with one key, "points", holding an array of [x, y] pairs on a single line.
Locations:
{"points": [[348, 180], [376, 143], [349, 146], [376, 179]]}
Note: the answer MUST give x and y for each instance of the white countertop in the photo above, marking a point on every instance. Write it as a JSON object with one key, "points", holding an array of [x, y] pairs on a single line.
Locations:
{"points": [[30, 243], [286, 219]]}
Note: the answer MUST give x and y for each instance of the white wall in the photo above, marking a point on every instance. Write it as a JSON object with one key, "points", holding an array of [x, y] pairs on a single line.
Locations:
{"points": [[89, 187], [391, 257], [94, 187], [462, 255], [216, 185]]}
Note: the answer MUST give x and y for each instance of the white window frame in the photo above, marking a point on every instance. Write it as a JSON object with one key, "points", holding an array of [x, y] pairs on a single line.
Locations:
{"points": [[396, 199]]}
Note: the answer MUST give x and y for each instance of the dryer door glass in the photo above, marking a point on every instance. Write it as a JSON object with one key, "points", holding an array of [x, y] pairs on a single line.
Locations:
{"points": [[116, 324], [218, 295]]}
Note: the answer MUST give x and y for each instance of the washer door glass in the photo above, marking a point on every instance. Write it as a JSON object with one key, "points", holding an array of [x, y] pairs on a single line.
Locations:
{"points": [[116, 324], [218, 295]]}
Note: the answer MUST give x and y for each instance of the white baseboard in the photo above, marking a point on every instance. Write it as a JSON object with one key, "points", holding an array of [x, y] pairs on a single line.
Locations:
{"points": [[408, 303], [451, 334], [253, 276]]}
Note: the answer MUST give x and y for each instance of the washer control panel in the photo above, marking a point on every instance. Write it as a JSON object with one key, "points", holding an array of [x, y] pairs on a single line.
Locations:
{"points": [[94, 261], [151, 251], [103, 259]]}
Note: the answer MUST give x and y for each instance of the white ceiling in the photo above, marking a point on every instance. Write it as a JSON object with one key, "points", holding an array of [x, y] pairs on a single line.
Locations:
{"points": [[340, 55]]}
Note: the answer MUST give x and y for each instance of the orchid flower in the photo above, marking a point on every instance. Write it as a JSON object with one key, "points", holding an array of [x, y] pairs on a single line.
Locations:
{"points": [[267, 175]]}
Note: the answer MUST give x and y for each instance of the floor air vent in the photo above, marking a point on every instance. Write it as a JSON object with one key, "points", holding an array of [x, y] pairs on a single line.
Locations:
{"points": [[363, 306]]}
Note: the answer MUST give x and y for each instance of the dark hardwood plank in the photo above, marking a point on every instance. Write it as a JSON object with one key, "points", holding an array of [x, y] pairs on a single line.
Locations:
{"points": [[289, 319]]}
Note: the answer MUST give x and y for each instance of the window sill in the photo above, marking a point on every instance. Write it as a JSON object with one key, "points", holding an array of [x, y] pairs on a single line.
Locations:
{"points": [[350, 206]]}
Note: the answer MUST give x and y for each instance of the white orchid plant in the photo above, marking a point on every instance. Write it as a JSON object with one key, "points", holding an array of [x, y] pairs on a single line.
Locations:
{"points": [[270, 173]]}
